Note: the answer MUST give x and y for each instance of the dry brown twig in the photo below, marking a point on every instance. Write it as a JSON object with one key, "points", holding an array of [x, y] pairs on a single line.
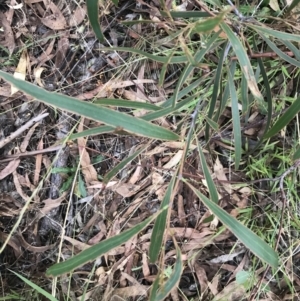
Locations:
{"points": [[22, 129]]}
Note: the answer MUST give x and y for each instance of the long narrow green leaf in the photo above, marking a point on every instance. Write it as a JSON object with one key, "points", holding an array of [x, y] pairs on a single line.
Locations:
{"points": [[210, 183], [121, 165], [244, 94], [281, 35], [207, 25], [99, 249], [291, 112], [189, 67], [216, 89], [156, 242], [254, 243], [297, 154], [280, 53], [171, 282], [292, 6], [92, 111], [148, 117], [160, 59], [93, 15], [123, 103], [225, 96], [236, 121], [293, 48], [183, 92], [269, 99], [36, 287], [245, 64]]}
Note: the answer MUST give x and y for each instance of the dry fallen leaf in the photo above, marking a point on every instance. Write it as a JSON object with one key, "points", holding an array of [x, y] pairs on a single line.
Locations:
{"points": [[20, 72], [56, 20]]}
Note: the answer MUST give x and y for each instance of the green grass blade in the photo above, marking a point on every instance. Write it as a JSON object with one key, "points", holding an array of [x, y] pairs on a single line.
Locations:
{"points": [[93, 15], [277, 34], [292, 6], [171, 282], [156, 241], [121, 165], [268, 96], [254, 243], [245, 64], [36, 287], [207, 25], [216, 89], [291, 112], [98, 250], [189, 67], [244, 94], [210, 183], [183, 92], [92, 111], [297, 154], [281, 54], [148, 117], [225, 96], [123, 103], [293, 48], [237, 132], [160, 59]]}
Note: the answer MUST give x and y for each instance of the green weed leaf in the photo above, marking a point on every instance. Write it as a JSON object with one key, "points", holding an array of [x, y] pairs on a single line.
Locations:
{"points": [[156, 242], [254, 243], [93, 15], [98, 250], [171, 282], [245, 64], [236, 121], [209, 24], [92, 111], [210, 183], [36, 287], [277, 34], [291, 112]]}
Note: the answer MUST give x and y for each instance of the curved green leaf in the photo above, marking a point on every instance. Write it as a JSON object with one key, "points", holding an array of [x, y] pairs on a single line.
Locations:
{"points": [[210, 183], [93, 15], [156, 242], [121, 165], [98, 250], [92, 111], [199, 55], [36, 287], [292, 6], [216, 88], [280, 53], [171, 283], [237, 132], [245, 64], [291, 112], [277, 34], [297, 154], [254, 243]]}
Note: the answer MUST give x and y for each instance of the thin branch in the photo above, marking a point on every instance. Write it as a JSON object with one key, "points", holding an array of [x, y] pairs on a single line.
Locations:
{"points": [[22, 129]]}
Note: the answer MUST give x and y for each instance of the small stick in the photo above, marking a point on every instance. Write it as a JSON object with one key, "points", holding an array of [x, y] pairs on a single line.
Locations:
{"points": [[22, 129], [31, 153]]}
